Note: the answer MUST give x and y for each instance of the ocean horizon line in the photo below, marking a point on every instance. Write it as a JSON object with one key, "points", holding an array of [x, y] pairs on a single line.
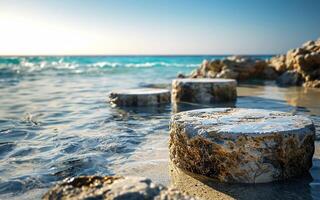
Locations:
{"points": [[134, 55]]}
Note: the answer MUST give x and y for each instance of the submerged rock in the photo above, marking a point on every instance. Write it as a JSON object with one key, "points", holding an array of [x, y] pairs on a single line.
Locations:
{"points": [[208, 91], [96, 187], [139, 97], [242, 145], [289, 78]]}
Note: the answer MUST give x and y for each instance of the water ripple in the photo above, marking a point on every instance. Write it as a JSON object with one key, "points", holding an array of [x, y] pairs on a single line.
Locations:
{"points": [[55, 122]]}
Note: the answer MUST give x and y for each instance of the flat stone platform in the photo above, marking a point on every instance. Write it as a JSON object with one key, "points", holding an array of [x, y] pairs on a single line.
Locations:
{"points": [[204, 90], [242, 145], [139, 97]]}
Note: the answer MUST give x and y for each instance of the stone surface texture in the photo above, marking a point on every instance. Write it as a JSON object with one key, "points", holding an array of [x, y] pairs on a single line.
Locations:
{"points": [[96, 187], [301, 62], [139, 97], [207, 91], [242, 145]]}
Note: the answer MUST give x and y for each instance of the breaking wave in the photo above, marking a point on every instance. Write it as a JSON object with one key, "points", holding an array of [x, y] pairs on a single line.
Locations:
{"points": [[20, 65], [146, 64]]}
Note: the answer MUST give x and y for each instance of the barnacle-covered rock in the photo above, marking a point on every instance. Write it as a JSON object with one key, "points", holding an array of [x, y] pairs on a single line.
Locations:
{"points": [[242, 145]]}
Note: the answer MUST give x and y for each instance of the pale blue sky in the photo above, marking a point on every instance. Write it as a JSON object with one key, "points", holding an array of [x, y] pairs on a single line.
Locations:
{"points": [[156, 27]]}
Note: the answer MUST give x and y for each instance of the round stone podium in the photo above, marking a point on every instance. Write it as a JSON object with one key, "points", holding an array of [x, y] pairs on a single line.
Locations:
{"points": [[204, 90], [242, 145], [139, 97]]}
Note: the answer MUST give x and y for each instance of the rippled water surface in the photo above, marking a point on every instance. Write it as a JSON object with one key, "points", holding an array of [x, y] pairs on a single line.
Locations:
{"points": [[55, 123]]}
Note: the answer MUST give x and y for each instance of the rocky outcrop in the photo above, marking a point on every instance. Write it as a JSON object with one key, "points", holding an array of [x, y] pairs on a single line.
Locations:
{"points": [[204, 90], [96, 187], [304, 61], [242, 145], [312, 84], [300, 66], [235, 67]]}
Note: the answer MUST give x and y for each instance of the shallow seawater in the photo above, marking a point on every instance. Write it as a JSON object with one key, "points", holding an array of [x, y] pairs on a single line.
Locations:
{"points": [[55, 123]]}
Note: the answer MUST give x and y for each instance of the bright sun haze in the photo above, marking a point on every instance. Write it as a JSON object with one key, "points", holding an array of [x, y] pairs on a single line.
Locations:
{"points": [[165, 27]]}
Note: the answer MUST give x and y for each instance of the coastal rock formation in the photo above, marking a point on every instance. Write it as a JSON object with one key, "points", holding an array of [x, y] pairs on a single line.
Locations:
{"points": [[300, 66], [312, 84], [304, 61], [235, 67], [205, 90], [96, 187], [139, 97], [242, 145]]}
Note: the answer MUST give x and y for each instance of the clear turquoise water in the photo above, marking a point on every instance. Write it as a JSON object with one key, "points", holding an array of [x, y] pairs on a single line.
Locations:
{"points": [[55, 122]]}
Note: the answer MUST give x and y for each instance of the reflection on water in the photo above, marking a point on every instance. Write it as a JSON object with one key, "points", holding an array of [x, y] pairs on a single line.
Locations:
{"points": [[299, 188], [54, 126], [184, 106], [304, 99], [143, 111], [190, 184]]}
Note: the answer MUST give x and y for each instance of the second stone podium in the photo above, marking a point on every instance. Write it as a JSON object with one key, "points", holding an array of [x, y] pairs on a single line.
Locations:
{"points": [[204, 90]]}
